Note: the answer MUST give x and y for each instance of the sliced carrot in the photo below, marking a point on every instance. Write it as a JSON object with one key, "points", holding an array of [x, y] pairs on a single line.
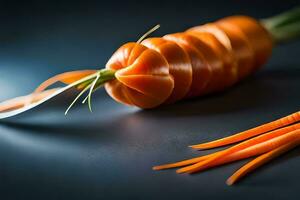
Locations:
{"points": [[290, 119], [279, 135], [245, 153], [259, 161]]}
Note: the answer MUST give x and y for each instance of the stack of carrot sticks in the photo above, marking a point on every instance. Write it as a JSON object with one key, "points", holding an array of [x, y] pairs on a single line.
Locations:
{"points": [[266, 142]]}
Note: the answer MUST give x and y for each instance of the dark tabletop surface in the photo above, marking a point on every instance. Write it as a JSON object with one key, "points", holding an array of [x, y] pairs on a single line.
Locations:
{"points": [[108, 154]]}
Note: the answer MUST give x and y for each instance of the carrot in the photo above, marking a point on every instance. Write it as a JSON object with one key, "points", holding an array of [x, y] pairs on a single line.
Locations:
{"points": [[201, 60], [183, 163], [245, 153], [259, 161], [267, 137], [290, 119]]}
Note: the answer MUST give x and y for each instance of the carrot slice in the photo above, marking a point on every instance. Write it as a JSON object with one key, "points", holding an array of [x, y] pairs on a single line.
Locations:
{"points": [[259, 161], [290, 119], [280, 136]]}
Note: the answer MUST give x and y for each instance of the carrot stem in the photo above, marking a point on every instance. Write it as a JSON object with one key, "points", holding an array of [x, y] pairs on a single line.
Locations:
{"points": [[285, 26]]}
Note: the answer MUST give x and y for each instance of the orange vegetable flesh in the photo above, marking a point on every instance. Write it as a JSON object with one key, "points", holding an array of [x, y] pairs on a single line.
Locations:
{"points": [[259, 139], [144, 74], [179, 65], [202, 60], [260, 144], [266, 145], [241, 47], [256, 149], [259, 161]]}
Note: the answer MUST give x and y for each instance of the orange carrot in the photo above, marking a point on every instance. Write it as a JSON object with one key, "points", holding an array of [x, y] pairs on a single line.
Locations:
{"points": [[259, 161], [183, 163], [245, 153], [277, 135], [290, 119], [201, 60]]}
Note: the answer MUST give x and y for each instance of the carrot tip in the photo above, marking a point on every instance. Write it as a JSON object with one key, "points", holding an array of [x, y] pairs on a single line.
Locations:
{"points": [[197, 146], [230, 181], [157, 168]]}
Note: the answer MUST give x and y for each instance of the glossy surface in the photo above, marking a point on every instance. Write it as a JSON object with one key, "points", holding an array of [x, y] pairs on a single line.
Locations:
{"points": [[109, 154]]}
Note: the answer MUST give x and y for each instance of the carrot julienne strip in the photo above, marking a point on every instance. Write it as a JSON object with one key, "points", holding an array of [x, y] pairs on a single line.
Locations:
{"points": [[259, 161], [290, 119], [239, 155], [182, 163], [280, 133], [245, 153]]}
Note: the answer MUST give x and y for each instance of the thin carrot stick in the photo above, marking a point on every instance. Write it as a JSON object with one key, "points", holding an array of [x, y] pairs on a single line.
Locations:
{"points": [[280, 133], [24, 100], [245, 153], [232, 157], [290, 119], [67, 77], [259, 161], [183, 163]]}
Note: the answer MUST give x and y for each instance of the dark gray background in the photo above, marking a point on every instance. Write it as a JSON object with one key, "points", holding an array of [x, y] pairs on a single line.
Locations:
{"points": [[109, 154]]}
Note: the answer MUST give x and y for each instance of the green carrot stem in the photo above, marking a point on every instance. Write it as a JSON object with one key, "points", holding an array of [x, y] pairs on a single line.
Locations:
{"points": [[285, 26], [96, 81]]}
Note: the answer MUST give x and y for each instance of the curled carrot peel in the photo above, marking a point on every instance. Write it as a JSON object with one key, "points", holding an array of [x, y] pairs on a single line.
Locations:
{"points": [[290, 119], [67, 78], [266, 145]]}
